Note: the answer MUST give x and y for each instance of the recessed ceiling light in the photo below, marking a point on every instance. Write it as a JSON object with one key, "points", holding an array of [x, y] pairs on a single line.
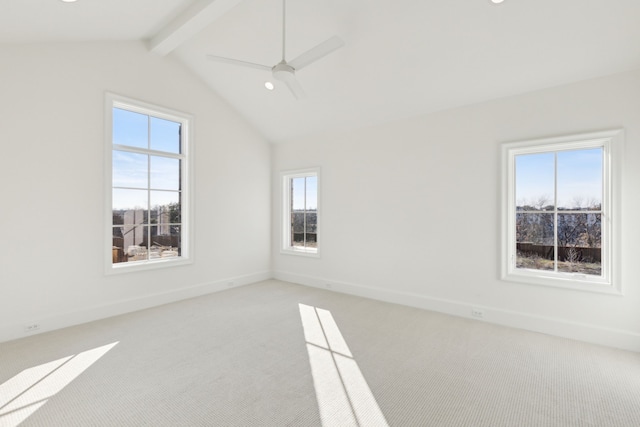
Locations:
{"points": [[496, 1], [269, 85], [68, 1]]}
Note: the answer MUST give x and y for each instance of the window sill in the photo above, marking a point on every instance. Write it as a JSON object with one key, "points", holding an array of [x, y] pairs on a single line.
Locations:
{"points": [[311, 253], [130, 267], [577, 282]]}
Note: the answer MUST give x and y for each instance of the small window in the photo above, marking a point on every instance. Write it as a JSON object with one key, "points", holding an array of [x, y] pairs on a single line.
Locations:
{"points": [[561, 197], [300, 212], [147, 185]]}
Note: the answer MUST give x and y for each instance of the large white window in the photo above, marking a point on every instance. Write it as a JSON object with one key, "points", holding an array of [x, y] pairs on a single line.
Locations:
{"points": [[147, 185], [561, 216], [300, 216]]}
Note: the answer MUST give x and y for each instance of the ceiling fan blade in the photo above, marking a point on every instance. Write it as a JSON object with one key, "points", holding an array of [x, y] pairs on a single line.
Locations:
{"points": [[238, 62], [294, 86], [313, 54]]}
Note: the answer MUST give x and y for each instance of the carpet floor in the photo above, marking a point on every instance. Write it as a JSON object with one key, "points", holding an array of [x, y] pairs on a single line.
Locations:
{"points": [[278, 354]]}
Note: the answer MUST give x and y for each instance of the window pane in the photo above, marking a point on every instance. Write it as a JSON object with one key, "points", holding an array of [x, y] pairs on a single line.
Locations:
{"points": [[297, 193], [130, 169], [312, 240], [580, 179], [130, 128], [534, 181], [534, 241], [297, 229], [312, 222], [166, 241], [312, 193], [579, 242], [534, 228], [129, 243], [297, 222], [165, 207], [312, 230], [165, 135], [579, 230], [165, 173]]}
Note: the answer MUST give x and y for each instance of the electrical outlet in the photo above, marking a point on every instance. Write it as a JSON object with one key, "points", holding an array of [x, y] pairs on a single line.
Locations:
{"points": [[478, 313], [32, 327]]}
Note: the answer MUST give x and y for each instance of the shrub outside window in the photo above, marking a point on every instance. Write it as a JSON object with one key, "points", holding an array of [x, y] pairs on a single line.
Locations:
{"points": [[561, 216]]}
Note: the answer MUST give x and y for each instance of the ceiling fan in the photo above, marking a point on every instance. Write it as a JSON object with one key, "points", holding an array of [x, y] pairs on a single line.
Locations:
{"points": [[285, 70]]}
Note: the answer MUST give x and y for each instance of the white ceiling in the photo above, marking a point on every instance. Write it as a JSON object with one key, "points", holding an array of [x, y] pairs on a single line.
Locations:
{"points": [[402, 57]]}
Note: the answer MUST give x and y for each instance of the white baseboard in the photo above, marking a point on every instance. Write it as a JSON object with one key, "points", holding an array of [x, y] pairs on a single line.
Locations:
{"points": [[102, 311], [626, 340], [617, 338]]}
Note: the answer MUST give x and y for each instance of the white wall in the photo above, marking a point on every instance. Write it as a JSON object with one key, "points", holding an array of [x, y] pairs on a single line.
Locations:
{"points": [[401, 200], [51, 182]]}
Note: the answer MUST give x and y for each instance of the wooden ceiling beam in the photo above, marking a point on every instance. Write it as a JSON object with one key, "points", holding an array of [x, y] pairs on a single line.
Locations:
{"points": [[189, 23]]}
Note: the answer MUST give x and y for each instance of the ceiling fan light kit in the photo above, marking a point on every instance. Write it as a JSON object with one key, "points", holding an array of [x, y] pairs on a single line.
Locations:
{"points": [[285, 71]]}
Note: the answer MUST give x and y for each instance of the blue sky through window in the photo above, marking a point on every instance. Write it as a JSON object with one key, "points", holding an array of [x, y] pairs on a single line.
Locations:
{"points": [[132, 171], [579, 178], [302, 185], [165, 135], [130, 128]]}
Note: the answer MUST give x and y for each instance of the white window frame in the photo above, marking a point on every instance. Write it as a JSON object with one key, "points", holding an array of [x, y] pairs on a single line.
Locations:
{"points": [[186, 257], [611, 142], [285, 179]]}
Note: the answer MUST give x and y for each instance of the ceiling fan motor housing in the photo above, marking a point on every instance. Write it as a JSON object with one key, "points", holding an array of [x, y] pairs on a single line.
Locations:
{"points": [[282, 71]]}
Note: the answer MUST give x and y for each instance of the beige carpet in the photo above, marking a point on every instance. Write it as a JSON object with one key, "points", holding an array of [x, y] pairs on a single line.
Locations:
{"points": [[278, 354]]}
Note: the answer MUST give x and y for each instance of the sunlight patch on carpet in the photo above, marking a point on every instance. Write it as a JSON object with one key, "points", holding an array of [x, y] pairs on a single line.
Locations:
{"points": [[344, 397], [25, 393]]}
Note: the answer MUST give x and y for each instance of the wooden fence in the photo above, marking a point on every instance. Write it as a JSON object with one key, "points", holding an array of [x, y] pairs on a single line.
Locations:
{"points": [[299, 237], [546, 251]]}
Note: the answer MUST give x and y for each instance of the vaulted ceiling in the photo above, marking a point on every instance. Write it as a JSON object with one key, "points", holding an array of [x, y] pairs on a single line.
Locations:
{"points": [[401, 57]]}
